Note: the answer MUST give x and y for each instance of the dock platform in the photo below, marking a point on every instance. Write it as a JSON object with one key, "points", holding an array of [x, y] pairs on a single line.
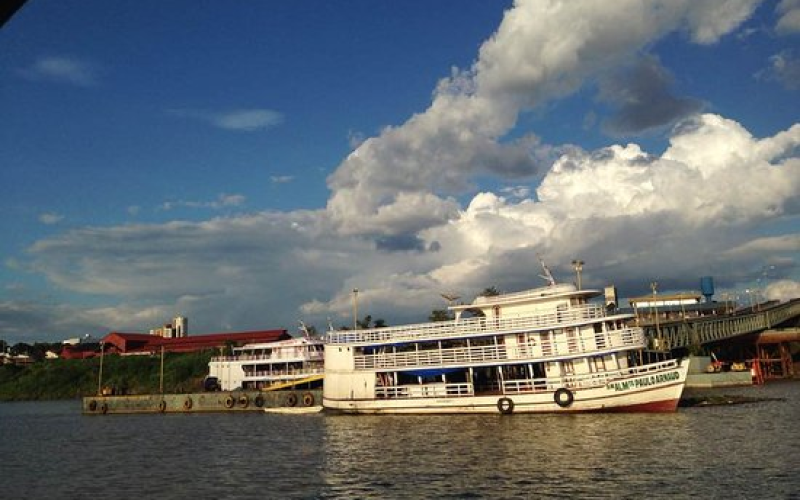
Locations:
{"points": [[201, 402]]}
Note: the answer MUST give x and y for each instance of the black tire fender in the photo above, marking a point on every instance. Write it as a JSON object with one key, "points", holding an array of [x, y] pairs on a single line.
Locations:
{"points": [[563, 397]]}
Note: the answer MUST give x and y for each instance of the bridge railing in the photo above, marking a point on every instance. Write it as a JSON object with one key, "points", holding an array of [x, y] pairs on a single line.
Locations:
{"points": [[699, 331]]}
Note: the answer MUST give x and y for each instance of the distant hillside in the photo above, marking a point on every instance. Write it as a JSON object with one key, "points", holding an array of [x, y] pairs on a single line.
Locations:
{"points": [[69, 379]]}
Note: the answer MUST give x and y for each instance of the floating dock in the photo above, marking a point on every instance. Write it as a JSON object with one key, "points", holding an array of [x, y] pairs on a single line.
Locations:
{"points": [[201, 402]]}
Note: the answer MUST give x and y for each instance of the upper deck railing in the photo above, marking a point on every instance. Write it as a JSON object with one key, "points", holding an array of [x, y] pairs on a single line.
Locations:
{"points": [[542, 350], [465, 327]]}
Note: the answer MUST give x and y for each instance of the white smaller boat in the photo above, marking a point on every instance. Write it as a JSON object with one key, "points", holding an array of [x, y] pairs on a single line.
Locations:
{"points": [[294, 410]]}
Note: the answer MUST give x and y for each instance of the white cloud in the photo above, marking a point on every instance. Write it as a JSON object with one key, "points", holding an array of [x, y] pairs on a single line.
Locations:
{"points": [[541, 51], [395, 228], [789, 21], [784, 68], [50, 218], [222, 201], [61, 69], [245, 120], [281, 179], [783, 290]]}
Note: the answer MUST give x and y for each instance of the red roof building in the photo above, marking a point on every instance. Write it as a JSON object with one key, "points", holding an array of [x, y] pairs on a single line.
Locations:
{"points": [[142, 343]]}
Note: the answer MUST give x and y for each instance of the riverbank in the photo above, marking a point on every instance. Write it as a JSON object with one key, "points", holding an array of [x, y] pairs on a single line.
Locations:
{"points": [[75, 378]]}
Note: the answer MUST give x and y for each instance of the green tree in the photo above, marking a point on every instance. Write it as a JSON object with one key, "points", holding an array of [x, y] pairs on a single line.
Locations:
{"points": [[440, 315]]}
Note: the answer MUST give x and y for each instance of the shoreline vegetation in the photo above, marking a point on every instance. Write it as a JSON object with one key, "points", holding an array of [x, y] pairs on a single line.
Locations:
{"points": [[76, 378]]}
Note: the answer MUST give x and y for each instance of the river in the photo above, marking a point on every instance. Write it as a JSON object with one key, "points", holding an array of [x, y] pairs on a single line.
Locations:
{"points": [[50, 451]]}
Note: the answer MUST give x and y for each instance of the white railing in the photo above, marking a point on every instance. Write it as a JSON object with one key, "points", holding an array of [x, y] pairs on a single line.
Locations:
{"points": [[284, 373], [629, 338], [583, 381], [313, 356], [425, 391], [522, 386], [468, 326]]}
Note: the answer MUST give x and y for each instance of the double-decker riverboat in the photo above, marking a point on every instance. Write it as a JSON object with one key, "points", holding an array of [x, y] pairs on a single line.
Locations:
{"points": [[286, 364], [542, 350]]}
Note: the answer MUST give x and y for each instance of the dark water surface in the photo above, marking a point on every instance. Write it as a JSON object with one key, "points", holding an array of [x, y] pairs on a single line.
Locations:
{"points": [[49, 450]]}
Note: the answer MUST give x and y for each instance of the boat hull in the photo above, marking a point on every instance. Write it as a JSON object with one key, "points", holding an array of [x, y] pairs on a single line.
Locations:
{"points": [[652, 392]]}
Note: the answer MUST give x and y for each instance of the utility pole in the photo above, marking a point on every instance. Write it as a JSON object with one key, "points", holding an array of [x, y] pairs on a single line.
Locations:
{"points": [[355, 308], [578, 266]]}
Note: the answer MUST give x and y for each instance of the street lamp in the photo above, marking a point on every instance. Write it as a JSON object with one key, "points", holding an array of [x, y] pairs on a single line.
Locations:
{"points": [[578, 266], [355, 308]]}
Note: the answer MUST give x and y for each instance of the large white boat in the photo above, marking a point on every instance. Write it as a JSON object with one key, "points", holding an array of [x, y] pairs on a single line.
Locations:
{"points": [[286, 364], [542, 350]]}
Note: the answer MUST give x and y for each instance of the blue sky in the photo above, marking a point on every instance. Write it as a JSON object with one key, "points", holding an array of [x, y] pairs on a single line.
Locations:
{"points": [[248, 166]]}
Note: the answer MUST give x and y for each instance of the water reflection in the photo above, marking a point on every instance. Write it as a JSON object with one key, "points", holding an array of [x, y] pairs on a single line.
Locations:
{"points": [[50, 451]]}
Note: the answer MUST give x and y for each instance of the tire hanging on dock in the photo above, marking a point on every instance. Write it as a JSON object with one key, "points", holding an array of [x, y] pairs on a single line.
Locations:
{"points": [[229, 401], [291, 399], [244, 401], [93, 405], [162, 406], [259, 401], [104, 408], [505, 406], [187, 404], [563, 397], [308, 399]]}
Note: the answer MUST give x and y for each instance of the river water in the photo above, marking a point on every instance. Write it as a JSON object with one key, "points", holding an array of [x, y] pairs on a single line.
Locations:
{"points": [[48, 450]]}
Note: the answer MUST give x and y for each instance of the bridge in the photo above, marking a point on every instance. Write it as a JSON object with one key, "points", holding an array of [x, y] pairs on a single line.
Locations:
{"points": [[688, 332]]}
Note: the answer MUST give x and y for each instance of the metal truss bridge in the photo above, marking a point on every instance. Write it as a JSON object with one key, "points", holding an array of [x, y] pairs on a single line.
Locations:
{"points": [[705, 330]]}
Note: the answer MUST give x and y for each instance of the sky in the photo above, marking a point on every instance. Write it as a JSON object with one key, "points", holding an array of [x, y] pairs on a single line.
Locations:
{"points": [[250, 165]]}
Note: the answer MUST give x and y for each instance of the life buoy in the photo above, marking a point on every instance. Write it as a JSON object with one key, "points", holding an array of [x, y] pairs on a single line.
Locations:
{"points": [[244, 401], [229, 402], [563, 397], [92, 405], [187, 404], [308, 399], [291, 399], [162, 406], [104, 408], [505, 406], [259, 401]]}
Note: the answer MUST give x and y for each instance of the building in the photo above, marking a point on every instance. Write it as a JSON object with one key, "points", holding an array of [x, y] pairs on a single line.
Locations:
{"points": [[179, 328], [138, 343]]}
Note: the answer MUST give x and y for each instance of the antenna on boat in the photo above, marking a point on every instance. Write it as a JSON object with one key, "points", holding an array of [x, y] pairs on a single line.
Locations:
{"points": [[304, 329], [547, 276], [450, 298]]}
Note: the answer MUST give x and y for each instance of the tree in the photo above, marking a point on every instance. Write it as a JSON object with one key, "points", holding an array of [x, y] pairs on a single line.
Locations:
{"points": [[489, 292], [440, 315]]}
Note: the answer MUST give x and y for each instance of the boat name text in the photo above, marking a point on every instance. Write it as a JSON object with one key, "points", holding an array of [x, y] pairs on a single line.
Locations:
{"points": [[644, 381]]}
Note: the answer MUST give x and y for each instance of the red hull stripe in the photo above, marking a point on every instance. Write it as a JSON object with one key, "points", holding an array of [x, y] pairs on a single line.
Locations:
{"points": [[668, 405]]}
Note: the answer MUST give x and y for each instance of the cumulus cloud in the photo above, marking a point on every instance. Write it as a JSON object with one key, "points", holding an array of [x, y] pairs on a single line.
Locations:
{"points": [[540, 52], [61, 69], [643, 99], [243, 120], [789, 17], [404, 221]]}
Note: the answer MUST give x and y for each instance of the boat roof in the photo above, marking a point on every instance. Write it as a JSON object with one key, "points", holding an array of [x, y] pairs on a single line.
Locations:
{"points": [[541, 294]]}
